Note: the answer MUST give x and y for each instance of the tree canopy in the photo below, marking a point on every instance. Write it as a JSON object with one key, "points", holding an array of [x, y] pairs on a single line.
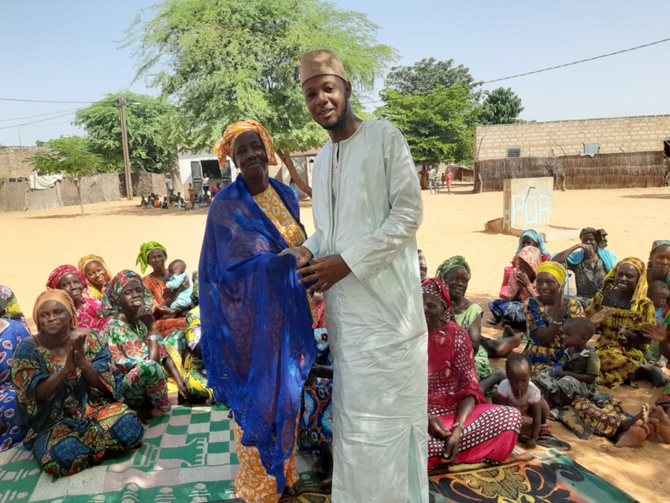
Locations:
{"points": [[501, 106], [223, 61], [434, 104], [153, 127]]}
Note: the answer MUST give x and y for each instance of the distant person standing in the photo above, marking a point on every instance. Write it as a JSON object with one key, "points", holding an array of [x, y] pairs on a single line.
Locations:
{"points": [[432, 180], [191, 192], [365, 260], [169, 184], [450, 179], [205, 185]]}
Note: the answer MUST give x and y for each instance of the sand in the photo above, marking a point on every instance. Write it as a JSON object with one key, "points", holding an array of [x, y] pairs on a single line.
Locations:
{"points": [[37, 242]]}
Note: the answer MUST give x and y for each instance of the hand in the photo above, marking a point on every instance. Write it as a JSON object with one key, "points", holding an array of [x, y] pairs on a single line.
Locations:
{"points": [[531, 444], [327, 271], [185, 285], [625, 336], [184, 395], [452, 448], [146, 316], [70, 362], [654, 332], [305, 255], [78, 341], [588, 249], [601, 315], [559, 374], [523, 278], [437, 429]]}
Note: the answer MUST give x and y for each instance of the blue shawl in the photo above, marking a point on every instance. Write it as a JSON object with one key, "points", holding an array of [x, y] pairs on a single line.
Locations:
{"points": [[608, 258], [257, 338], [535, 236]]}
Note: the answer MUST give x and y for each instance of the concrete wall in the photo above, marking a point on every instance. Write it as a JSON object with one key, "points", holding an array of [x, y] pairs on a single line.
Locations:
{"points": [[561, 138], [12, 161], [17, 196]]}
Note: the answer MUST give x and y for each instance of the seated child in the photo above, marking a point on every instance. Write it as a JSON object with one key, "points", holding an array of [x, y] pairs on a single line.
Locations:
{"points": [[658, 292], [577, 372], [178, 274], [519, 392], [165, 204]]}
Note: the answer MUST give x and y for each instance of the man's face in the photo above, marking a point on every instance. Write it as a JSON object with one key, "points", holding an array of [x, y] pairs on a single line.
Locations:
{"points": [[327, 100]]}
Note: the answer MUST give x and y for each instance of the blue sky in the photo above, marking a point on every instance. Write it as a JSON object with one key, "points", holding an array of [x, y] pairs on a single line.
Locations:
{"points": [[68, 50]]}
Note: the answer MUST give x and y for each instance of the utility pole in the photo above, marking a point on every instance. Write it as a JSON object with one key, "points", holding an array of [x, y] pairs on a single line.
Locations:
{"points": [[126, 156]]}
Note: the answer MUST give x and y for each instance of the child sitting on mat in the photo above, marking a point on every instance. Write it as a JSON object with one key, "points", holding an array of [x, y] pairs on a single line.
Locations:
{"points": [[577, 372], [519, 392]]}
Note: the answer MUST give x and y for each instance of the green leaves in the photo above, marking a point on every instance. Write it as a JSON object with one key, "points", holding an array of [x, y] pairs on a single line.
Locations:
{"points": [[71, 156], [153, 127], [223, 61], [501, 106]]}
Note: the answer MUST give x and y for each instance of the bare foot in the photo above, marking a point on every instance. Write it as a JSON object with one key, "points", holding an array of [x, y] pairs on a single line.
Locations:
{"points": [[661, 424], [634, 436], [292, 490], [502, 348]]}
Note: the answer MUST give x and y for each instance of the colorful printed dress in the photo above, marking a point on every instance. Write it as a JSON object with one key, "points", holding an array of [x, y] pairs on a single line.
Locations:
{"points": [[505, 309], [144, 380], [88, 314], [465, 320], [491, 431], [541, 356], [78, 425], [11, 334], [196, 374], [620, 363]]}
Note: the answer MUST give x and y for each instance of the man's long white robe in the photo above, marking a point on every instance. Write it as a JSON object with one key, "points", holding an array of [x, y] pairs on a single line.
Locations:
{"points": [[367, 207]]}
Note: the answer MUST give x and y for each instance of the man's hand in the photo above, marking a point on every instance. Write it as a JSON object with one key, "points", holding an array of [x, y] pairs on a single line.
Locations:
{"points": [[326, 272], [305, 255]]}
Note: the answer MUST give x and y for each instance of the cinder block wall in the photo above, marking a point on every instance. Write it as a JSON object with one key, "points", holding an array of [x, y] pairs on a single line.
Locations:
{"points": [[561, 138]]}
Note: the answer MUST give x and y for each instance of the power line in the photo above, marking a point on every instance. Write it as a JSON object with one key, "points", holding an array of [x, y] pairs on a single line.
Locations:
{"points": [[35, 122], [528, 73], [40, 115], [48, 101]]}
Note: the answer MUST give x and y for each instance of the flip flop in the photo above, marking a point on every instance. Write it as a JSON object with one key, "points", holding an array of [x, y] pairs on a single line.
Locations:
{"points": [[524, 438], [554, 443]]}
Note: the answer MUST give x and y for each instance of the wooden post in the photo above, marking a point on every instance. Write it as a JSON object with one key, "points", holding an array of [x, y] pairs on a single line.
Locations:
{"points": [[286, 158], [126, 155]]}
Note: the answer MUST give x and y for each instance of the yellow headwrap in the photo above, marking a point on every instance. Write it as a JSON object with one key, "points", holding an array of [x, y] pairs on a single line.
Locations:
{"points": [[555, 269], [641, 287], [84, 261], [60, 296], [225, 146]]}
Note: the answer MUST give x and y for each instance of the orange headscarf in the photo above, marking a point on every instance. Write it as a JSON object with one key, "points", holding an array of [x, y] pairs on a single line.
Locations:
{"points": [[60, 296], [225, 146]]}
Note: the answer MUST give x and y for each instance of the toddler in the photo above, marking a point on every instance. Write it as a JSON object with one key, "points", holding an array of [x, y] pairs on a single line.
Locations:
{"points": [[658, 292], [178, 274], [576, 373]]}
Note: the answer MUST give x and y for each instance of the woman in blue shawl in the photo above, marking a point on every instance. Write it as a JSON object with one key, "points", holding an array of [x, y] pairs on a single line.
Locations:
{"points": [[257, 339], [589, 262]]}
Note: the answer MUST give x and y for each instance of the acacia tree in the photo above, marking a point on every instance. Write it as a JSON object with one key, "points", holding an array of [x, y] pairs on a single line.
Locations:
{"points": [[153, 132], [71, 156], [501, 106], [223, 61], [434, 104]]}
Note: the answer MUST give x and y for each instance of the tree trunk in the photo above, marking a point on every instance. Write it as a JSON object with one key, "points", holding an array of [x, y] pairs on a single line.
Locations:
{"points": [[286, 158], [81, 205]]}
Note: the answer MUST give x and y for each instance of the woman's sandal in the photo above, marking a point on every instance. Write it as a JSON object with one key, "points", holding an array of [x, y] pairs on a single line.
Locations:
{"points": [[569, 416]]}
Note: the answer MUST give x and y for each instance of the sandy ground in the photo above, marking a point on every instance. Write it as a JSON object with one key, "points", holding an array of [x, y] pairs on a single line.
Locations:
{"points": [[37, 242]]}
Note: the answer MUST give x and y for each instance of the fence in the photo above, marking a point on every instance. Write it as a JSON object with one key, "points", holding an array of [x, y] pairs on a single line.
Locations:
{"points": [[602, 171]]}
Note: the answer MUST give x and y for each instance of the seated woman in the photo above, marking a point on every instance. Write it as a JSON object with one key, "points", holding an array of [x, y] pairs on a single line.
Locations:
{"points": [[171, 323], [455, 273], [12, 427], [463, 427], [69, 279], [9, 306], [509, 310], [658, 266], [137, 349], [68, 392], [589, 262], [545, 315], [620, 310], [95, 270], [194, 366], [255, 313], [527, 238]]}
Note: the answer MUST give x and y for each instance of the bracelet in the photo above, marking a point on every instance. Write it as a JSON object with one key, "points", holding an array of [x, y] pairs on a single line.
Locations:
{"points": [[557, 323], [153, 338], [457, 425]]}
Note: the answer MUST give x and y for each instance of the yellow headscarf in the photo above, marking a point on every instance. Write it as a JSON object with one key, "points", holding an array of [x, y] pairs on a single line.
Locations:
{"points": [[84, 261], [555, 269], [639, 295], [60, 296], [225, 146]]}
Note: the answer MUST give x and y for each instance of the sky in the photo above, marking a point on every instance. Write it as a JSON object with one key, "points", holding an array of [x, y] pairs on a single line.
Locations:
{"points": [[69, 50]]}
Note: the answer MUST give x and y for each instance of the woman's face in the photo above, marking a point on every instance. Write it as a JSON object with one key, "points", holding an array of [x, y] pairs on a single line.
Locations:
{"points": [[589, 239], [528, 241], [95, 273], [457, 280], [660, 260], [72, 284], [132, 297], [54, 318], [626, 278], [548, 287], [157, 259], [525, 268], [251, 157], [433, 310]]}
